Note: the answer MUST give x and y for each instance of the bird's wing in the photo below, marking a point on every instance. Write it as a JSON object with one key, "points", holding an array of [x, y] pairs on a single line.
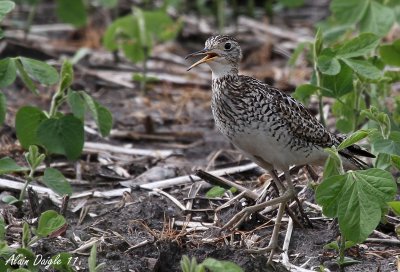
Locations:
{"points": [[299, 122]]}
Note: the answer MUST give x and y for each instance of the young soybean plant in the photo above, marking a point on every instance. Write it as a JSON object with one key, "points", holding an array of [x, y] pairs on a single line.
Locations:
{"points": [[53, 131]]}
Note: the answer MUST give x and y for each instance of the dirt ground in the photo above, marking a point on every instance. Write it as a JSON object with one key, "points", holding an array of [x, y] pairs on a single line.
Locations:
{"points": [[144, 230]]}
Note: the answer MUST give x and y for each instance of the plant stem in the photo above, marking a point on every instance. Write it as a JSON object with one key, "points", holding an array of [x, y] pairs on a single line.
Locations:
{"points": [[29, 21], [28, 180], [144, 73], [342, 247], [318, 82]]}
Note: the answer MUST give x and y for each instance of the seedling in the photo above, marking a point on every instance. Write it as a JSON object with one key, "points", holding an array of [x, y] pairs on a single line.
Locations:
{"points": [[136, 33], [213, 265]]}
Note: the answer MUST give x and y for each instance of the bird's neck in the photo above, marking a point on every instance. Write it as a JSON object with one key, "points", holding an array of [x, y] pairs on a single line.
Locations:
{"points": [[221, 70]]}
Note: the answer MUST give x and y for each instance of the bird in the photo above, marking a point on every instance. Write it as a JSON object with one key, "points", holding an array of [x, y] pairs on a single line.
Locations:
{"points": [[270, 127]]}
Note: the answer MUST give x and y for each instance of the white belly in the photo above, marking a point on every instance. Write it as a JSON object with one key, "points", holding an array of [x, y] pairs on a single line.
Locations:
{"points": [[274, 152]]}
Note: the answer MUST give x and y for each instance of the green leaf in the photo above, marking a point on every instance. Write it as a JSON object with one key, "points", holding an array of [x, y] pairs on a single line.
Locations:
{"points": [[29, 256], [348, 11], [64, 136], [339, 84], [333, 164], [9, 199], [92, 258], [328, 64], [26, 235], [61, 262], [395, 159], [8, 165], [354, 138], [40, 71], [303, 92], [389, 146], [101, 115], [3, 108], [77, 104], [56, 181], [221, 266], [378, 19], [347, 261], [364, 68], [25, 77], [395, 206], [296, 53], [6, 7], [215, 191], [67, 75], [390, 53], [27, 121], [2, 229], [49, 222], [356, 199], [8, 72], [72, 12], [334, 245], [318, 43], [34, 157], [358, 46]]}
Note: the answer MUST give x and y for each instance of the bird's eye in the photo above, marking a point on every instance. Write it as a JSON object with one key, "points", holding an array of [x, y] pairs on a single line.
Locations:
{"points": [[228, 46]]}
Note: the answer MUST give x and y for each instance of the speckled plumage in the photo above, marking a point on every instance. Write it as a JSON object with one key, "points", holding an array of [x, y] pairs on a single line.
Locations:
{"points": [[271, 127]]}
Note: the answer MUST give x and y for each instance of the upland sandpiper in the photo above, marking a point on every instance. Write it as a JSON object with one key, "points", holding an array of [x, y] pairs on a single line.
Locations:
{"points": [[270, 127]]}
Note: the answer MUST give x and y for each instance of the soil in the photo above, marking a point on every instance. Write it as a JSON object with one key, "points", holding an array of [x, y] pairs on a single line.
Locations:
{"points": [[138, 231]]}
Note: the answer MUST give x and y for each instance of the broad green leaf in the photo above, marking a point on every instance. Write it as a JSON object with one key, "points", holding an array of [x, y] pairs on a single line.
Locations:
{"points": [[216, 191], [303, 92], [356, 199], [104, 120], [77, 104], [72, 12], [3, 108], [345, 125], [378, 19], [25, 77], [64, 136], [339, 84], [221, 266], [40, 71], [8, 165], [9, 199], [67, 75], [333, 164], [63, 263], [395, 161], [349, 11], [334, 245], [395, 206], [56, 181], [101, 115], [6, 7], [364, 68], [30, 257], [358, 46], [328, 64], [390, 53], [49, 222], [388, 146], [354, 138], [8, 72], [27, 121]]}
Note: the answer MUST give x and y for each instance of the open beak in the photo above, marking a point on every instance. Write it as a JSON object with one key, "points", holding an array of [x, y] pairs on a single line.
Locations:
{"points": [[208, 57]]}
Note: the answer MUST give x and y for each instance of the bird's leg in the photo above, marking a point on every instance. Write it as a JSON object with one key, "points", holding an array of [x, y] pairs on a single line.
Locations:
{"points": [[273, 243], [278, 186]]}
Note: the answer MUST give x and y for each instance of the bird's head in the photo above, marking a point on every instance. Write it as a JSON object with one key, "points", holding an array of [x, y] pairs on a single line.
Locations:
{"points": [[222, 53]]}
